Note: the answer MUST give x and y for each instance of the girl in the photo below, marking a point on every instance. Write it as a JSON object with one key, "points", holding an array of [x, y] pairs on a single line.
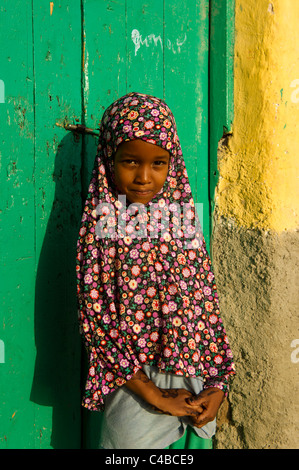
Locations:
{"points": [[159, 358]]}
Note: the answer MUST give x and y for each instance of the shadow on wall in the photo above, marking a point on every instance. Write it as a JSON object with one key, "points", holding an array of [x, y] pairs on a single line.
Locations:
{"points": [[58, 373]]}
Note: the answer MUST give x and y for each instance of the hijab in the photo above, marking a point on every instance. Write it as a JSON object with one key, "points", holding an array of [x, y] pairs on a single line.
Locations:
{"points": [[145, 286]]}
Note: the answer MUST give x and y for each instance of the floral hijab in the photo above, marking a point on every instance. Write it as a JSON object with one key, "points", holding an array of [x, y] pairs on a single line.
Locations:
{"points": [[146, 290]]}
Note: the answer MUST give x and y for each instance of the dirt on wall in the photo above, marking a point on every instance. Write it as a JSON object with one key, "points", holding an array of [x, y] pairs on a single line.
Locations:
{"points": [[257, 278]]}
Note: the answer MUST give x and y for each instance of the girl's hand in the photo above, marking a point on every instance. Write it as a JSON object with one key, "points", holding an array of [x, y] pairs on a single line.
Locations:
{"points": [[174, 402], [169, 401], [209, 400]]}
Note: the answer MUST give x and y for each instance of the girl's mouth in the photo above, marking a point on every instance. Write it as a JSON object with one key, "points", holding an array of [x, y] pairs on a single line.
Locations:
{"points": [[142, 193]]}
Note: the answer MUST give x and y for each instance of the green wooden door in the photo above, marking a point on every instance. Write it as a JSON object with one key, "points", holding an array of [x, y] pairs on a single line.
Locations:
{"points": [[65, 62]]}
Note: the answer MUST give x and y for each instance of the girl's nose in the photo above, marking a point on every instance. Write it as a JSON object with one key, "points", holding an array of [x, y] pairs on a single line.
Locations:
{"points": [[143, 175]]}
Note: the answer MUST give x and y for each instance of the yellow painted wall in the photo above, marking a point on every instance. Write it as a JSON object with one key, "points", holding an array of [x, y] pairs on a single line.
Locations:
{"points": [[258, 185]]}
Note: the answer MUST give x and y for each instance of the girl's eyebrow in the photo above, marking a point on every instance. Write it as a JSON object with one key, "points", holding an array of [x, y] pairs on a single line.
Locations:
{"points": [[132, 155]]}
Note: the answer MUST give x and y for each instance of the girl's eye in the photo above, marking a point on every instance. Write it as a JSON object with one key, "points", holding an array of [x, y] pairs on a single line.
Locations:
{"points": [[135, 162]]}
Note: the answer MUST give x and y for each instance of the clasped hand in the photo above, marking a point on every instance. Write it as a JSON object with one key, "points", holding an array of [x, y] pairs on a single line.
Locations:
{"points": [[201, 408]]}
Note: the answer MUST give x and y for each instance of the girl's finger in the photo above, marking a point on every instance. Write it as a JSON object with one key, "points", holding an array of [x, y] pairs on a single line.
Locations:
{"points": [[195, 401]]}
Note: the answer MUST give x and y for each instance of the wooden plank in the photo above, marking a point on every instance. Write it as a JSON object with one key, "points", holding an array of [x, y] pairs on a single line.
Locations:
{"points": [[57, 66], [186, 52], [103, 68], [221, 81], [17, 235], [145, 47], [104, 56]]}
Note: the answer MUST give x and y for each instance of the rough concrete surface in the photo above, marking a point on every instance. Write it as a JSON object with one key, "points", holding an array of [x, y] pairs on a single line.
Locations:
{"points": [[257, 278]]}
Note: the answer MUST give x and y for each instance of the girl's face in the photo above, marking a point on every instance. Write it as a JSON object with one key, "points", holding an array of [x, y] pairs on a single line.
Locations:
{"points": [[140, 170]]}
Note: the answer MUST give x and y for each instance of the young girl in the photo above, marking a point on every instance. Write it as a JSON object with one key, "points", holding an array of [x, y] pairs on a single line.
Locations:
{"points": [[159, 358]]}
